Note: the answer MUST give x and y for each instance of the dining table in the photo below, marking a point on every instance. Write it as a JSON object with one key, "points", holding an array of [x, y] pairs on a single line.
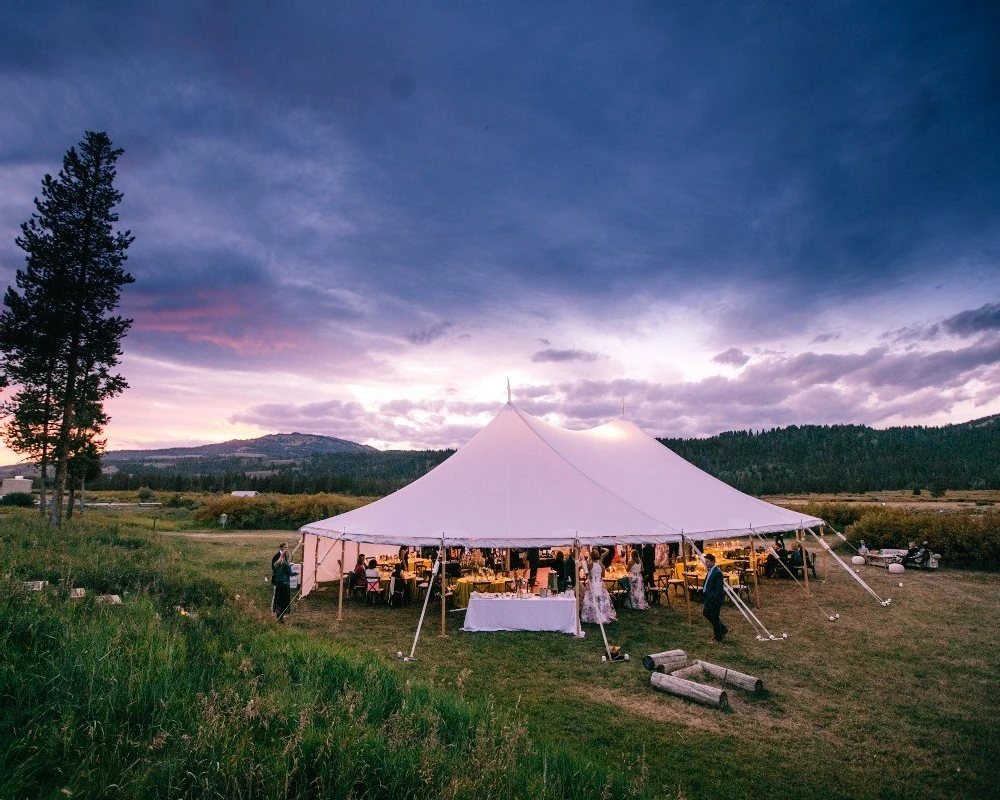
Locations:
{"points": [[467, 584], [508, 612]]}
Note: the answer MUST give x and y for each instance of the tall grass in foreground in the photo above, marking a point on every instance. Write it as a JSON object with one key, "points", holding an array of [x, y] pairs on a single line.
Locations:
{"points": [[140, 701]]}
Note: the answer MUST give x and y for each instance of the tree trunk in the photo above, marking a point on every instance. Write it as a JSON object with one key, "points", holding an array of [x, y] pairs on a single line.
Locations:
{"points": [[706, 695]]}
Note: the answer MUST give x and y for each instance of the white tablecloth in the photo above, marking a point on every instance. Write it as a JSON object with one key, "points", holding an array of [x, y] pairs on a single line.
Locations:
{"points": [[509, 613]]}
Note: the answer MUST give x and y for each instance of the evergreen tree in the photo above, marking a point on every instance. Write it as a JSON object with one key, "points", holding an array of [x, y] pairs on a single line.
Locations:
{"points": [[59, 337]]}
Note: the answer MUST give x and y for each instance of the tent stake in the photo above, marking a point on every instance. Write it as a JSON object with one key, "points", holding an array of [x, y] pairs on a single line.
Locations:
{"points": [[444, 585], [340, 600]]}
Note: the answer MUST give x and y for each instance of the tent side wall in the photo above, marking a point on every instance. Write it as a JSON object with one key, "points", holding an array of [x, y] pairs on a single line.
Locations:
{"points": [[321, 559]]}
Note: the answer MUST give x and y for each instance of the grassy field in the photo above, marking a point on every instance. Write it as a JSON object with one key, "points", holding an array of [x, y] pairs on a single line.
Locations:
{"points": [[885, 703]]}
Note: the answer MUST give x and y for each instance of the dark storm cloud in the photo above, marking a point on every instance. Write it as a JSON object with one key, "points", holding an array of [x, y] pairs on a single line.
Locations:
{"points": [[457, 157], [543, 356], [968, 323], [733, 357], [430, 334]]}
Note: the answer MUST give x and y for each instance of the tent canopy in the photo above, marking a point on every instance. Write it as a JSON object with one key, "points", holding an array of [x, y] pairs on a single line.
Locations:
{"points": [[521, 482]]}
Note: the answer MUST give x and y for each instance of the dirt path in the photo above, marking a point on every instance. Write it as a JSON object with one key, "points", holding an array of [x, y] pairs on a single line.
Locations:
{"points": [[289, 535]]}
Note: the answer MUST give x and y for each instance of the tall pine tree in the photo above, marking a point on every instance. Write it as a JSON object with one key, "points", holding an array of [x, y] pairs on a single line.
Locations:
{"points": [[59, 336]]}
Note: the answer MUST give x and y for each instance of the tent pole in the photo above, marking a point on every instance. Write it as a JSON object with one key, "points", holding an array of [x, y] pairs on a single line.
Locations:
{"points": [[423, 611], [825, 576], [687, 594], [340, 600], [753, 569], [805, 559], [576, 584], [444, 585]]}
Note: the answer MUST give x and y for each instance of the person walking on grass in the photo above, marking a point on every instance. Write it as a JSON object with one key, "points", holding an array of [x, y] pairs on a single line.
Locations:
{"points": [[715, 592], [282, 549], [282, 579]]}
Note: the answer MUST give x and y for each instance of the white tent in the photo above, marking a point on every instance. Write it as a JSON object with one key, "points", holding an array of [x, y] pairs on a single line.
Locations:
{"points": [[521, 482]]}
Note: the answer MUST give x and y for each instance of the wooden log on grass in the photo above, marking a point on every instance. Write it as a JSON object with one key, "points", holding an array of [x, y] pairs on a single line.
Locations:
{"points": [[748, 682], [739, 679], [668, 660], [699, 692], [689, 672]]}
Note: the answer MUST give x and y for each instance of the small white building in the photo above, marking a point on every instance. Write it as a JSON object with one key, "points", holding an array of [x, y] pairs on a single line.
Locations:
{"points": [[18, 484], [244, 494]]}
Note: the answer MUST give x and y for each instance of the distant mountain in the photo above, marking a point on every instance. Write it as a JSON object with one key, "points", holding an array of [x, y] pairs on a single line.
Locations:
{"points": [[272, 446]]}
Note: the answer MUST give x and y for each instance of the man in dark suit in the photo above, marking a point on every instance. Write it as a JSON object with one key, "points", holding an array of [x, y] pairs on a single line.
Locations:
{"points": [[715, 592]]}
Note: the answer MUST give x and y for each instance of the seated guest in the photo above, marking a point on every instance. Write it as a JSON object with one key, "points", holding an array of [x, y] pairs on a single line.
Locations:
{"points": [[358, 575], [795, 559], [373, 572], [771, 565], [911, 554]]}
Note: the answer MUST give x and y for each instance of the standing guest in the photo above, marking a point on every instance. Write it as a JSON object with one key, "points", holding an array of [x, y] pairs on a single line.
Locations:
{"points": [[636, 588], [404, 555], [610, 555], [282, 579], [649, 564], [533, 557], [559, 566], [714, 594], [282, 550], [597, 602]]}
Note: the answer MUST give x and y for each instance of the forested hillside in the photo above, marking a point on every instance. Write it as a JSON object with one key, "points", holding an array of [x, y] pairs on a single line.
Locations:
{"points": [[851, 458], [808, 458]]}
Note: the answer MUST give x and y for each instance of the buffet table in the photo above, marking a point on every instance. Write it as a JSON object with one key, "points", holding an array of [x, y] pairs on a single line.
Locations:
{"points": [[507, 612]]}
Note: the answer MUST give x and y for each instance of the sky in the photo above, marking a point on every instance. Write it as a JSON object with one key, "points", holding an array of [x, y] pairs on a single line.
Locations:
{"points": [[361, 219]]}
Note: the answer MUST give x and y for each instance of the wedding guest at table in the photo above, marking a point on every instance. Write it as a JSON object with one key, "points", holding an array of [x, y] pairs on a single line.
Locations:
{"points": [[282, 579], [636, 597], [596, 601], [373, 572], [715, 592]]}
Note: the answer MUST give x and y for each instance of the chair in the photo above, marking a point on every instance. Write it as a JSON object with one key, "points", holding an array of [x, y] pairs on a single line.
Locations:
{"points": [[616, 592], [424, 585], [397, 592], [655, 590], [373, 590], [694, 585], [355, 586], [481, 585]]}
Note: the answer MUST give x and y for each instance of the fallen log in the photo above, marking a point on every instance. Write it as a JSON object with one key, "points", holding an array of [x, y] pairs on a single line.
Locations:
{"points": [[668, 659], [748, 682], [688, 672], [706, 695]]}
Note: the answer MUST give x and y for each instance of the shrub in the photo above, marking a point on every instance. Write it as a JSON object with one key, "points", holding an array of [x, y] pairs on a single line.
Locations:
{"points": [[277, 511], [146, 495], [18, 500]]}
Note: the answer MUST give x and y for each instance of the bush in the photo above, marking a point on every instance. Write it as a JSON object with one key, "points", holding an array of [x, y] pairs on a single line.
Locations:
{"points": [[18, 500], [277, 511], [146, 495]]}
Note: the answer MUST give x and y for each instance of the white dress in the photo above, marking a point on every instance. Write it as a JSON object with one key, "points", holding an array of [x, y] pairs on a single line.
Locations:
{"points": [[637, 591], [597, 602]]}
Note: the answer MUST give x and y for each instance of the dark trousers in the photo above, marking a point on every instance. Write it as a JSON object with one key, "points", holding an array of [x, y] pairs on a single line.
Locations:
{"points": [[282, 600], [711, 612]]}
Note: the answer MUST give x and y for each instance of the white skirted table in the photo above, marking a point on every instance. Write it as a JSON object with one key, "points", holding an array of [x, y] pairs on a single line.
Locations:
{"points": [[507, 612]]}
